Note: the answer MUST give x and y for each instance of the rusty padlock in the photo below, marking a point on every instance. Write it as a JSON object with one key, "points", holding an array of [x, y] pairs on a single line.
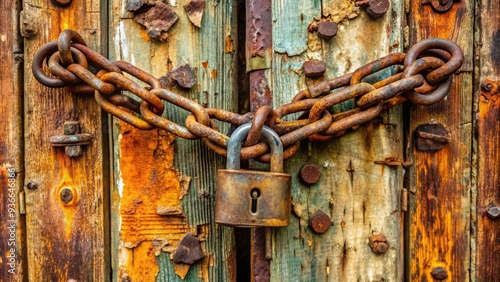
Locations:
{"points": [[247, 198]]}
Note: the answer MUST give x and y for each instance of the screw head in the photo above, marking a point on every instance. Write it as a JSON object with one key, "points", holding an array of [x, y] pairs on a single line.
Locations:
{"points": [[486, 86], [32, 185], [439, 273], [66, 195], [320, 222], [493, 211], [377, 8], [310, 173], [327, 30], [378, 244]]}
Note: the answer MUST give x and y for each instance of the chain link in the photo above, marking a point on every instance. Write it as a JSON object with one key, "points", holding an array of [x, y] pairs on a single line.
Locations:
{"points": [[423, 76]]}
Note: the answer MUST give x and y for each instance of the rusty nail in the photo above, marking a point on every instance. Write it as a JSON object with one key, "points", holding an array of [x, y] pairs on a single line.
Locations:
{"points": [[319, 221], [378, 244], [62, 3], [310, 173], [32, 185], [374, 8], [66, 195], [486, 86], [189, 250], [439, 273], [493, 211], [431, 137], [314, 68], [327, 30]]}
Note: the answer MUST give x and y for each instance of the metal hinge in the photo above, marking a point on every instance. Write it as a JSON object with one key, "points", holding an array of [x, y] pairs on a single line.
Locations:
{"points": [[22, 202]]}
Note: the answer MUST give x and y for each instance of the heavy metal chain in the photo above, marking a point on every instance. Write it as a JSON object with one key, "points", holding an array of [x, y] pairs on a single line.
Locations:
{"points": [[424, 79]]}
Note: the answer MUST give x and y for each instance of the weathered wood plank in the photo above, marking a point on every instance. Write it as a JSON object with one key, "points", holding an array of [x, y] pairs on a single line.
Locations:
{"points": [[155, 169], [64, 240], [440, 181], [487, 251], [362, 198], [12, 228]]}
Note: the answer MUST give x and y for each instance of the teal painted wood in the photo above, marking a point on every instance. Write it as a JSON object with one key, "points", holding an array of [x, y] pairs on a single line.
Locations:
{"points": [[213, 62], [362, 203]]}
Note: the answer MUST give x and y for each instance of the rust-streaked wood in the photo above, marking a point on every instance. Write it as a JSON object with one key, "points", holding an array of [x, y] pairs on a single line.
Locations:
{"points": [[154, 169], [487, 252], [12, 229], [440, 182], [64, 241], [361, 197]]}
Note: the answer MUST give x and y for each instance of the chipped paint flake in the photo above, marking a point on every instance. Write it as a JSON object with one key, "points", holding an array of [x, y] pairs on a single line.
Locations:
{"points": [[194, 10]]}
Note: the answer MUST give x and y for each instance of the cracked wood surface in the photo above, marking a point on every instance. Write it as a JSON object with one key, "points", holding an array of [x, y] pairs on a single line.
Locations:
{"points": [[64, 240], [156, 171], [440, 182], [361, 197], [12, 248]]}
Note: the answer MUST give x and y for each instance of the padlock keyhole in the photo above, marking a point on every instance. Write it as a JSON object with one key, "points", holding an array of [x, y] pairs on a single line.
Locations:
{"points": [[255, 194]]}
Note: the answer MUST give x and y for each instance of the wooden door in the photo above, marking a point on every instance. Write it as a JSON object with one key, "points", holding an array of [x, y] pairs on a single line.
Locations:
{"points": [[138, 205]]}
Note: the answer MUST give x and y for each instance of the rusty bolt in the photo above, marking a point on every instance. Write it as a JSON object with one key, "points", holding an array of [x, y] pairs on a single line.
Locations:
{"points": [[379, 244], [310, 173], [486, 86], [189, 250], [493, 211], [62, 3], [66, 195], [314, 68], [439, 273], [32, 186], [374, 8], [327, 30], [320, 222]]}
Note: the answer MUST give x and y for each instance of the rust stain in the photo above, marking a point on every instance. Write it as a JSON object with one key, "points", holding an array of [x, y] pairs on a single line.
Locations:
{"points": [[150, 181], [214, 73], [229, 44], [181, 269]]}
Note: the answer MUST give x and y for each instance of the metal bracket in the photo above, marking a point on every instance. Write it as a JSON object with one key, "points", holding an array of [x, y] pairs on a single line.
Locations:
{"points": [[72, 139]]}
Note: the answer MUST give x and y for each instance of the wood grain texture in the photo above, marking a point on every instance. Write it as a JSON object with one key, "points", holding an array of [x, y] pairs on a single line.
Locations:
{"points": [[487, 251], [12, 228], [64, 241], [440, 182], [156, 169], [362, 198]]}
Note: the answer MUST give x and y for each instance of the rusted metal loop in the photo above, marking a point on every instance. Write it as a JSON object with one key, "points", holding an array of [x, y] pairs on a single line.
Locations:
{"points": [[229, 117], [127, 84], [420, 65], [166, 124], [37, 67], [287, 153], [138, 73], [390, 90], [338, 97], [180, 101], [376, 66], [92, 80], [67, 37], [307, 130], [450, 67], [96, 59], [121, 113], [56, 69], [206, 132], [346, 122], [125, 102], [263, 115], [432, 97], [71, 140]]}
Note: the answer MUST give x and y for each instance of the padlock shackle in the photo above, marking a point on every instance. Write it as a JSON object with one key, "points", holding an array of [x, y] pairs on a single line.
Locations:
{"points": [[269, 136]]}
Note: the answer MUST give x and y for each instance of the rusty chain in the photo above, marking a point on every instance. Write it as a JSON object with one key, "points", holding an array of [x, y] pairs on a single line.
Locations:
{"points": [[424, 79]]}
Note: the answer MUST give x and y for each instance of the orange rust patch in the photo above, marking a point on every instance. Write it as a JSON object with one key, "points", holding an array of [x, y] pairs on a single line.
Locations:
{"points": [[149, 181], [214, 73], [229, 44], [204, 64]]}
